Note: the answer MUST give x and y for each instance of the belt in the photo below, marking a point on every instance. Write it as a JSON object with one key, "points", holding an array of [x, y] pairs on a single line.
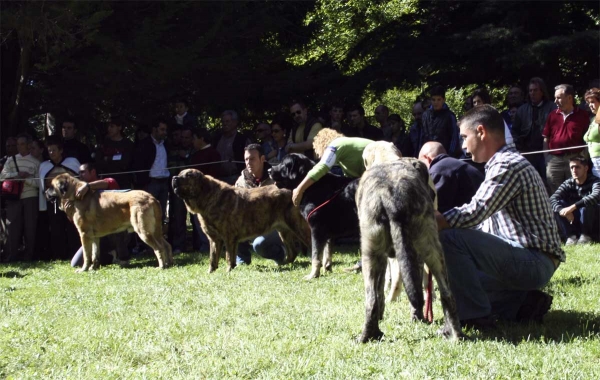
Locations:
{"points": [[162, 179]]}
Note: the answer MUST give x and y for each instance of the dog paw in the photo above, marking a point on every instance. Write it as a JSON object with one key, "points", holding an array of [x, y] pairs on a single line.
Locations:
{"points": [[369, 337], [451, 334], [311, 276], [211, 269], [81, 270]]}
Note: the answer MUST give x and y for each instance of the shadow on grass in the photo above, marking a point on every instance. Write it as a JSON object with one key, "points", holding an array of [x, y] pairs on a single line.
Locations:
{"points": [[563, 326], [13, 274], [575, 281]]}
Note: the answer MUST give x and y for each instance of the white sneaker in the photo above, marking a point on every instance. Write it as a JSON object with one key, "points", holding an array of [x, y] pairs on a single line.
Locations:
{"points": [[572, 240], [584, 239]]}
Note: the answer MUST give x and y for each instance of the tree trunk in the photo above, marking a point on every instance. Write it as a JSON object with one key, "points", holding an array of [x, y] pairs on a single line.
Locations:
{"points": [[20, 82]]}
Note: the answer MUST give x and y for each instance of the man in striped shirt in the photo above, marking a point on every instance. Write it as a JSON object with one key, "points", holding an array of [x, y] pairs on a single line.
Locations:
{"points": [[504, 245]]}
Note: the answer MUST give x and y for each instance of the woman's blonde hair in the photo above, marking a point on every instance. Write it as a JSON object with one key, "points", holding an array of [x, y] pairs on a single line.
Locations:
{"points": [[323, 139]]}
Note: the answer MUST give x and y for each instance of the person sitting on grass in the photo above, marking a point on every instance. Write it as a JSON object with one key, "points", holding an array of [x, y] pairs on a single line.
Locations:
{"points": [[575, 202], [113, 248], [504, 245]]}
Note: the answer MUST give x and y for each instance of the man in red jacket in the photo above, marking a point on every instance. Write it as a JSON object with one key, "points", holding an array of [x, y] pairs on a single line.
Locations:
{"points": [[564, 129]]}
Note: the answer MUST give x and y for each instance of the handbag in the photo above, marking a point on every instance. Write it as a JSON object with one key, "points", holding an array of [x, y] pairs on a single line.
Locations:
{"points": [[11, 189]]}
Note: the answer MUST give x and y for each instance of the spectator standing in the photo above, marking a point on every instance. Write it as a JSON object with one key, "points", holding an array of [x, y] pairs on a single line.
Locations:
{"points": [[576, 201], [416, 129], [439, 123], [456, 182], [115, 155], [592, 136], [21, 214], [177, 210], [514, 99], [71, 146], [399, 135], [182, 116], [11, 150], [206, 157], [304, 130], [280, 140], [336, 116], [382, 113], [564, 129], [529, 124], [63, 237], [230, 144], [38, 151], [150, 164], [358, 125]]}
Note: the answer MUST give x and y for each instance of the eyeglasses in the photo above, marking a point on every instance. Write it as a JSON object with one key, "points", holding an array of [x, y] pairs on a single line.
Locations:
{"points": [[298, 112]]}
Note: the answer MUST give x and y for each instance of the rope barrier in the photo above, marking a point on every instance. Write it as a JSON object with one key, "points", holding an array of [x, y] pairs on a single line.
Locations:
{"points": [[144, 170]]}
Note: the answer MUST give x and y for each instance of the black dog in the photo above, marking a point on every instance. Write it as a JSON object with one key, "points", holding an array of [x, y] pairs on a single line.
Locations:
{"points": [[329, 206]]}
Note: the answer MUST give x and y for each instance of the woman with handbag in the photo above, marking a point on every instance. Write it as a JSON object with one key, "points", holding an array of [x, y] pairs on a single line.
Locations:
{"points": [[20, 189]]}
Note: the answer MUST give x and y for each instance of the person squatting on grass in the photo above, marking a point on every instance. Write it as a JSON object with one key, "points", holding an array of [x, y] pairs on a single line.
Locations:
{"points": [[113, 248], [576, 201], [504, 245]]}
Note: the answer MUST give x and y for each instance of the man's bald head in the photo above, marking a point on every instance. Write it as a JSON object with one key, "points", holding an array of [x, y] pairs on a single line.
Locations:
{"points": [[431, 150]]}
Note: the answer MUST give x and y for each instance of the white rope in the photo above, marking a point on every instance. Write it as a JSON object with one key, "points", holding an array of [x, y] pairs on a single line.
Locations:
{"points": [[140, 171]]}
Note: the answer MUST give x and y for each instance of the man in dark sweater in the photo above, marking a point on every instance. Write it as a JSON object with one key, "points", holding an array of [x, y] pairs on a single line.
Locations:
{"points": [[71, 146], [576, 203], [455, 181], [115, 155], [359, 127], [439, 123]]}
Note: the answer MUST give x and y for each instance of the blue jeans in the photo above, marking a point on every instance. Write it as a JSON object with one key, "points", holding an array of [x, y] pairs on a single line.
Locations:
{"points": [[268, 246], [584, 222], [490, 275]]}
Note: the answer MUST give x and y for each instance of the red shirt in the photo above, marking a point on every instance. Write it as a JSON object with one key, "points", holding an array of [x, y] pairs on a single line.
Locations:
{"points": [[112, 184], [565, 133]]}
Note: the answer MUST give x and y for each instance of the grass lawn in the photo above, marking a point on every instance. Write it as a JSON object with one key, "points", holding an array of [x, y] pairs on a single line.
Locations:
{"points": [[265, 322]]}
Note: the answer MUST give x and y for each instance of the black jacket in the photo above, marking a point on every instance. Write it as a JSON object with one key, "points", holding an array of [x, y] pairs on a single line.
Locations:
{"points": [[455, 181], [145, 154]]}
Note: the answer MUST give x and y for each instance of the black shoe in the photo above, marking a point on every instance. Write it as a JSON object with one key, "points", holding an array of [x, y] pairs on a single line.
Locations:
{"points": [[535, 306], [483, 323]]}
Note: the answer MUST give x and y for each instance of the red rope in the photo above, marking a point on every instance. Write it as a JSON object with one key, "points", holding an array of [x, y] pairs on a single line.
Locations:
{"points": [[323, 204], [429, 299]]}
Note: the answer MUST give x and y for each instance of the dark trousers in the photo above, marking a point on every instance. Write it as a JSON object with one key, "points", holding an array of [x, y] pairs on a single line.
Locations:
{"points": [[585, 222], [177, 222], [538, 161], [64, 238], [159, 189], [21, 217]]}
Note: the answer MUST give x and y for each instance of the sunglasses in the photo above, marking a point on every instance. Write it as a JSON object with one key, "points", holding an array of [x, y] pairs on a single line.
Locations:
{"points": [[296, 112]]}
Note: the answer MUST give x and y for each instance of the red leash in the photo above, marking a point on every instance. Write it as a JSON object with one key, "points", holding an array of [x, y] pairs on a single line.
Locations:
{"points": [[429, 299], [323, 204]]}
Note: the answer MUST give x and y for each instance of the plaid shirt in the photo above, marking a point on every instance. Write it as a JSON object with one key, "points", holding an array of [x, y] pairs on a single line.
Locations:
{"points": [[512, 204]]}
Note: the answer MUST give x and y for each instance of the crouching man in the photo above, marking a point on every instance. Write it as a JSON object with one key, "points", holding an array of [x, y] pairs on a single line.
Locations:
{"points": [[504, 245], [113, 248], [256, 174]]}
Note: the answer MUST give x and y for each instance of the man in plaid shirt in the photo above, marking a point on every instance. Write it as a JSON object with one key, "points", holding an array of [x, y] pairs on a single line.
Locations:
{"points": [[504, 245]]}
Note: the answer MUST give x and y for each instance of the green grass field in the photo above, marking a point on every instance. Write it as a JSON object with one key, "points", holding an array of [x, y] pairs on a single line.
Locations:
{"points": [[265, 322]]}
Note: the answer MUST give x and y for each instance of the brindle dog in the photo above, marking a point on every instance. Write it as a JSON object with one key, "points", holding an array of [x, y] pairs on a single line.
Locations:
{"points": [[397, 220], [229, 215]]}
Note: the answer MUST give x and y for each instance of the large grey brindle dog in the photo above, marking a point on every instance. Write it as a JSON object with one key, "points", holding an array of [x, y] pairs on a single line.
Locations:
{"points": [[397, 220]]}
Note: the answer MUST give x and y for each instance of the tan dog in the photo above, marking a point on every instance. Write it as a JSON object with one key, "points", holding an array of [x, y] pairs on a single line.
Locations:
{"points": [[103, 213], [229, 215], [380, 152]]}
